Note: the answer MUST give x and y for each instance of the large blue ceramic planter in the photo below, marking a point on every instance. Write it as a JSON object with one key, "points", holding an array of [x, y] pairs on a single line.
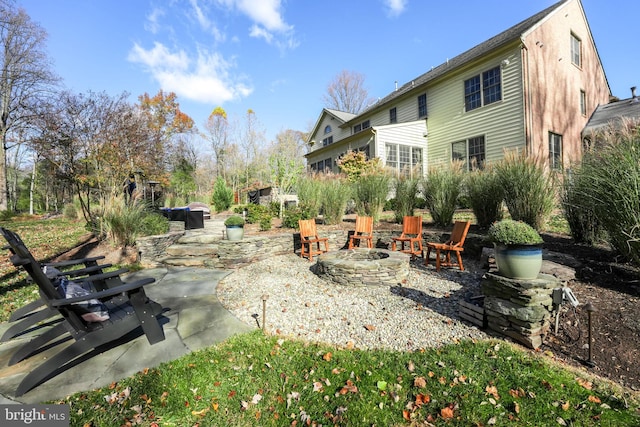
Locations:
{"points": [[519, 261], [235, 232]]}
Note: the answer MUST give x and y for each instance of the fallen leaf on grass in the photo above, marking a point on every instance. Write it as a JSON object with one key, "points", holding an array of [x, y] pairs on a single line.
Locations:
{"points": [[446, 413], [327, 356], [492, 390], [419, 382], [516, 393], [349, 388], [594, 399], [584, 383], [422, 399], [201, 413]]}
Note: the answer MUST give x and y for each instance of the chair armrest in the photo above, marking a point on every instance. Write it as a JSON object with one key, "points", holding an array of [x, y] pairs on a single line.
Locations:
{"points": [[73, 262], [126, 287], [86, 270], [103, 276]]}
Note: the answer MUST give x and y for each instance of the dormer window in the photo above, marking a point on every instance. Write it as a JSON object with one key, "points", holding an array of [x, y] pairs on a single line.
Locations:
{"points": [[327, 129]]}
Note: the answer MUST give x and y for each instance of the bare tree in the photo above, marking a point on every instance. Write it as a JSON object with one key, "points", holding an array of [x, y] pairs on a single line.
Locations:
{"points": [[346, 92], [286, 161], [217, 127], [24, 76], [251, 143]]}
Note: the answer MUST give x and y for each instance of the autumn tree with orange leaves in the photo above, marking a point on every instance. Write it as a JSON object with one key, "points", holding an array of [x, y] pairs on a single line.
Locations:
{"points": [[165, 122]]}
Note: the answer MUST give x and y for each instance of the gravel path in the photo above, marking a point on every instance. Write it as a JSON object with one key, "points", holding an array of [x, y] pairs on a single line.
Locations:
{"points": [[420, 314]]}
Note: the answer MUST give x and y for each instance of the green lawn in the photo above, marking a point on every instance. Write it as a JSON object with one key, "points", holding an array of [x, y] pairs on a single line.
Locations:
{"points": [[257, 380]]}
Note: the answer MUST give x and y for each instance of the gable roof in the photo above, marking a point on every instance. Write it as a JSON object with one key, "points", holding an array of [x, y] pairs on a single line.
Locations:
{"points": [[502, 39], [341, 116]]}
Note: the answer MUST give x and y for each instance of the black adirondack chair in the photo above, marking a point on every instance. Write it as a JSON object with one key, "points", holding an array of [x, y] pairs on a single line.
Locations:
{"points": [[128, 307], [29, 316]]}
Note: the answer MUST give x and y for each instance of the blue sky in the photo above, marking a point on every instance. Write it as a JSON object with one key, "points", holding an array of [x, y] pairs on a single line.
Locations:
{"points": [[277, 57]]}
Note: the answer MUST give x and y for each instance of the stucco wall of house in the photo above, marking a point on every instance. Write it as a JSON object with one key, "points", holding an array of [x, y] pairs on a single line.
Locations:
{"points": [[555, 82]]}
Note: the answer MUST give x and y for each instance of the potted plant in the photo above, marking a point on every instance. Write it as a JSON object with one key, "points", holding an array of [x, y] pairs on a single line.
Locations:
{"points": [[518, 249], [235, 227]]}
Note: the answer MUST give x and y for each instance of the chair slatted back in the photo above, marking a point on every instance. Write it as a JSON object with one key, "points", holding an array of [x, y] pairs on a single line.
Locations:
{"points": [[21, 256], [459, 233], [412, 226], [308, 229], [364, 225]]}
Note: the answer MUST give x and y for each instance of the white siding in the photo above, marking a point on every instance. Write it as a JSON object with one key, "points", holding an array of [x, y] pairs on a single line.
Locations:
{"points": [[501, 123]]}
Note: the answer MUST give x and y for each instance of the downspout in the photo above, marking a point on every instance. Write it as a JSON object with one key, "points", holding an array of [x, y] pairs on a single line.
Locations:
{"points": [[528, 116]]}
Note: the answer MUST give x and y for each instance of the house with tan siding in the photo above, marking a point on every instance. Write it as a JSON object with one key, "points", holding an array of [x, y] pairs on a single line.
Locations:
{"points": [[532, 88]]}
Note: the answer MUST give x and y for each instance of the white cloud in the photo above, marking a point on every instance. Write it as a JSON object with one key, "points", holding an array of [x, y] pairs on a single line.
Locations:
{"points": [[396, 7], [200, 16], [264, 12], [206, 78], [152, 24], [268, 22]]}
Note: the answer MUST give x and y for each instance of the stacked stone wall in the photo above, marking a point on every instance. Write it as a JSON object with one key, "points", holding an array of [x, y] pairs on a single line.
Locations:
{"points": [[520, 309]]}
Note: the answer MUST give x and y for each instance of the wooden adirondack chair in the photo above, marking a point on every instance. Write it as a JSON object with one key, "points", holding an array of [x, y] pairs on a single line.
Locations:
{"points": [[454, 244], [363, 231], [310, 240], [127, 305], [412, 235]]}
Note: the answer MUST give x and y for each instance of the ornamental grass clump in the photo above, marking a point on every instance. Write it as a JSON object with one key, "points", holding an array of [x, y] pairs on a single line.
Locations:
{"points": [[529, 191], [406, 200], [485, 195], [334, 196], [441, 190], [370, 192], [510, 232], [610, 187]]}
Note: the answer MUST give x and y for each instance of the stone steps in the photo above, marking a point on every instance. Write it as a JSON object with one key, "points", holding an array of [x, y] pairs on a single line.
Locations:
{"points": [[196, 248], [191, 249]]}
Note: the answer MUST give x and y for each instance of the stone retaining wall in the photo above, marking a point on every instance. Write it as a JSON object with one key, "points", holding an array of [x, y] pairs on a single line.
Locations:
{"points": [[214, 252]]}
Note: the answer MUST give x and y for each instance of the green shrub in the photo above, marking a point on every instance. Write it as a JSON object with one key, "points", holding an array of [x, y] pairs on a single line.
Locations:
{"points": [[406, 190], [153, 224], [441, 189], [529, 191], [265, 222], [370, 194], [510, 232], [222, 197], [234, 221], [256, 212], [292, 215], [485, 195]]}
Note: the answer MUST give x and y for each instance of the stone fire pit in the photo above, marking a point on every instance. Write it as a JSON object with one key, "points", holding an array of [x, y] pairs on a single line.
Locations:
{"points": [[363, 266]]}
